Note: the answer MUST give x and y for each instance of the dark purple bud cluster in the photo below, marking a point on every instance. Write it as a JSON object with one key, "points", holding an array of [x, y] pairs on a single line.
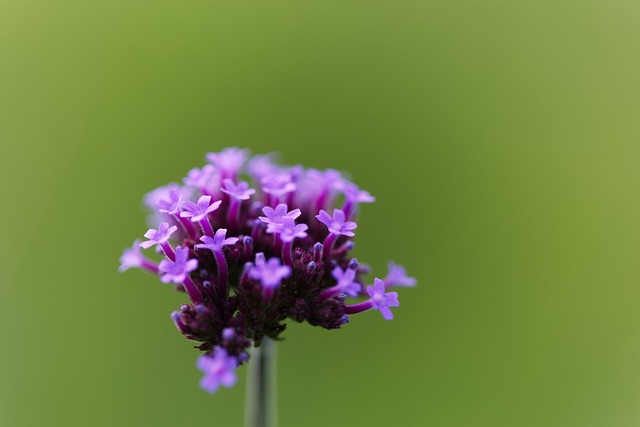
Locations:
{"points": [[249, 258]]}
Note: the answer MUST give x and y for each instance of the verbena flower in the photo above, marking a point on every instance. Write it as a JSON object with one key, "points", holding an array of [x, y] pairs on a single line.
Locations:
{"points": [[252, 244]]}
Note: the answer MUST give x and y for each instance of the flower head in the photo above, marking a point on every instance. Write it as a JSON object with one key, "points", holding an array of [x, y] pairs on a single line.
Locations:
{"points": [[257, 256], [337, 224]]}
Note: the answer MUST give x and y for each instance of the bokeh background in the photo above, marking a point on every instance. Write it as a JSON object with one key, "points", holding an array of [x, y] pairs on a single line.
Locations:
{"points": [[501, 139]]}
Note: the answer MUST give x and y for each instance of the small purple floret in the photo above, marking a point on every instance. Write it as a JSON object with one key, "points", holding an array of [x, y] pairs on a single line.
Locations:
{"points": [[278, 184], [202, 178], [270, 273], [152, 198], [274, 217], [346, 281], [260, 166], [217, 242], [131, 257], [356, 195], [218, 370], [172, 203], [289, 230], [337, 224], [179, 270], [240, 191], [159, 236], [397, 276], [197, 212], [381, 300], [229, 161]]}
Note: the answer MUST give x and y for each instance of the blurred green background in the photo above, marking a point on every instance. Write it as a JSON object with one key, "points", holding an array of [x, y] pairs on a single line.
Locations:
{"points": [[501, 139]]}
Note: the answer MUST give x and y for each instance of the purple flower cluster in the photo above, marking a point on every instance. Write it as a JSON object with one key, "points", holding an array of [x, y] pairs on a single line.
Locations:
{"points": [[251, 255]]}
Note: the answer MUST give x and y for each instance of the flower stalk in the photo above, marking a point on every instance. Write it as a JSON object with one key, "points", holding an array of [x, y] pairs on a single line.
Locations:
{"points": [[261, 406]]}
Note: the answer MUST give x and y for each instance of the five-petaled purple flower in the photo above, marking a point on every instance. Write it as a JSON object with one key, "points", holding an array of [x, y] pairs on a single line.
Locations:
{"points": [[202, 179], [171, 205], [270, 273], [278, 185], [382, 300], [337, 224], [274, 217], [245, 274], [346, 281], [289, 230], [397, 276], [218, 370], [229, 161], [199, 211], [132, 258], [177, 271], [217, 242], [159, 236], [241, 191]]}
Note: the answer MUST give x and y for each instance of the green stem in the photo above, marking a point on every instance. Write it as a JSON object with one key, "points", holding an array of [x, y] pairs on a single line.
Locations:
{"points": [[260, 409]]}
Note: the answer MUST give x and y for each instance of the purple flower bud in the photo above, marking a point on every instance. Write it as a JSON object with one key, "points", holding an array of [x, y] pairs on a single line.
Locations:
{"points": [[198, 212], [228, 333], [270, 273], [397, 276], [177, 271], [218, 370], [241, 191], [159, 236], [381, 300], [337, 224], [318, 249]]}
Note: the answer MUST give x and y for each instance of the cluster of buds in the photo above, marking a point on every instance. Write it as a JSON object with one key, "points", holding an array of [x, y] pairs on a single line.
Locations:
{"points": [[249, 256]]}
